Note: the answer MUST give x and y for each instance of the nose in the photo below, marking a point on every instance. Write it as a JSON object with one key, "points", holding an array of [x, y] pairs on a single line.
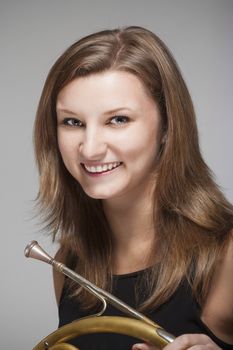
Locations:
{"points": [[93, 146]]}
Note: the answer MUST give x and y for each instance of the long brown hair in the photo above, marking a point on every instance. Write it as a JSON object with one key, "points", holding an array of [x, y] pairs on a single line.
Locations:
{"points": [[192, 218]]}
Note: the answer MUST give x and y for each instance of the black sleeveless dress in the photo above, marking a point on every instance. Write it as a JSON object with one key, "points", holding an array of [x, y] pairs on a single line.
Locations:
{"points": [[179, 315]]}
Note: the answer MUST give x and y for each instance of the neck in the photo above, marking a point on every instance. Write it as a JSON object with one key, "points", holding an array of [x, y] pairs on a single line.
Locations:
{"points": [[131, 222]]}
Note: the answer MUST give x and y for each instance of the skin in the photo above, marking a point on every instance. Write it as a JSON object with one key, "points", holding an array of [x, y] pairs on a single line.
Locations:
{"points": [[90, 134], [101, 138], [132, 138]]}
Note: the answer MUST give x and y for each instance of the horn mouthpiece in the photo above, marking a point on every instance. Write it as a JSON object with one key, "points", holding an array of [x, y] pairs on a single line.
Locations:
{"points": [[34, 250]]}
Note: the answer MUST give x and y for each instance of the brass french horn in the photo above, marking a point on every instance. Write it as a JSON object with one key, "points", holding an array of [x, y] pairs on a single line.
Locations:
{"points": [[136, 325]]}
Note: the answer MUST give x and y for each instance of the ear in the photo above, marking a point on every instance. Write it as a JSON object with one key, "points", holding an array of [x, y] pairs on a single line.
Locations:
{"points": [[164, 139]]}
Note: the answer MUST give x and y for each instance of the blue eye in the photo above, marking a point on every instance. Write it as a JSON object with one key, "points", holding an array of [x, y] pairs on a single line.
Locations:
{"points": [[72, 122], [119, 120]]}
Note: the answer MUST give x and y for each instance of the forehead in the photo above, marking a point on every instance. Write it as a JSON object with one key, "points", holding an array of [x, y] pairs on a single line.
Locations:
{"points": [[107, 89]]}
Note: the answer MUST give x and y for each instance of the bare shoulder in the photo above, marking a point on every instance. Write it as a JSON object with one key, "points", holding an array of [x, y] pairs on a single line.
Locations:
{"points": [[218, 310], [58, 278]]}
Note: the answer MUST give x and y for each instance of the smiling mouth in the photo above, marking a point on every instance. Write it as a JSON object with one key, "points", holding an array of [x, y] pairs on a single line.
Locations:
{"points": [[100, 169]]}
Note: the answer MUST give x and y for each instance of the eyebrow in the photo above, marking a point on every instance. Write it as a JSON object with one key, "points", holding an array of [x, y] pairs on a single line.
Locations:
{"points": [[112, 111], [65, 111]]}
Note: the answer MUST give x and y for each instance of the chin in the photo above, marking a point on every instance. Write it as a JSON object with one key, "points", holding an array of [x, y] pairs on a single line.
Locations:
{"points": [[105, 192], [97, 194]]}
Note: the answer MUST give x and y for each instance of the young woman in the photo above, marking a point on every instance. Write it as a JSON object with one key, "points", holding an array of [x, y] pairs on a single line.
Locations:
{"points": [[123, 183]]}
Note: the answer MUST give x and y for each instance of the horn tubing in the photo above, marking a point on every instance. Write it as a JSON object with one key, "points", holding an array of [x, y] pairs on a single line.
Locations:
{"points": [[33, 250], [104, 324]]}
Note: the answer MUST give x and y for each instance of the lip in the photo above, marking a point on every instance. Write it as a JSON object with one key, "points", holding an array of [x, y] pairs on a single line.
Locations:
{"points": [[103, 173]]}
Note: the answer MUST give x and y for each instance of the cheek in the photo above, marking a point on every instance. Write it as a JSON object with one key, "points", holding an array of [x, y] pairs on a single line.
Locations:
{"points": [[141, 146], [62, 147], [67, 148]]}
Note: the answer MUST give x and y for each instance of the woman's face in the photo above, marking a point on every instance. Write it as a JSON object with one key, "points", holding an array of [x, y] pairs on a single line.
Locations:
{"points": [[109, 133]]}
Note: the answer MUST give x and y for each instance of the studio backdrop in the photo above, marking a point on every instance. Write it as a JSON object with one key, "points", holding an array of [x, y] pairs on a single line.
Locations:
{"points": [[33, 34]]}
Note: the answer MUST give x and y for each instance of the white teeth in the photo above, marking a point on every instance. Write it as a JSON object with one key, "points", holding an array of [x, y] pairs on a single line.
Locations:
{"points": [[101, 168]]}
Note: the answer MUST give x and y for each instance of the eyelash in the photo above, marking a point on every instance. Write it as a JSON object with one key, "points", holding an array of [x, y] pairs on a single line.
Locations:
{"points": [[124, 117], [73, 122]]}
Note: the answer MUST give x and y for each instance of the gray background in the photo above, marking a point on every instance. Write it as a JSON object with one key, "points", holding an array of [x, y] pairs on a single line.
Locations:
{"points": [[33, 34]]}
